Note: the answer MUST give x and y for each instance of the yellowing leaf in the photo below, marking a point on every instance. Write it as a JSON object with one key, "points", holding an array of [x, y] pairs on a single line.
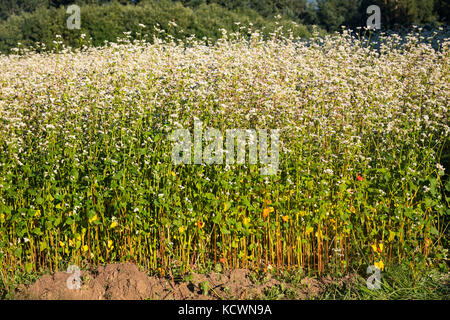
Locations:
{"points": [[266, 211], [379, 265], [94, 218], [374, 247], [391, 235]]}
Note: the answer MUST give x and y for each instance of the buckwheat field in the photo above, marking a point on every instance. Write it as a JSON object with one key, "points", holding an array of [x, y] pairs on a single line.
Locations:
{"points": [[87, 177]]}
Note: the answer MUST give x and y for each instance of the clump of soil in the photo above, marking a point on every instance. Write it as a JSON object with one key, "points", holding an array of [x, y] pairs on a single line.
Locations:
{"points": [[125, 281]]}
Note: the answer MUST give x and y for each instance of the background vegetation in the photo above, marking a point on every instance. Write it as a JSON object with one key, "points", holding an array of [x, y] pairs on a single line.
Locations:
{"points": [[33, 21], [85, 158], [74, 123], [107, 21]]}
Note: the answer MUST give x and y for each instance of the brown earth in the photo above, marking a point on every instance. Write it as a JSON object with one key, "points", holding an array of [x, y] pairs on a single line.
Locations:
{"points": [[126, 281]]}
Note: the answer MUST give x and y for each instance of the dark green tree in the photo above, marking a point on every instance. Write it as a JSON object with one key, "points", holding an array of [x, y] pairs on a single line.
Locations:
{"points": [[10, 7], [334, 13], [404, 12], [442, 10]]}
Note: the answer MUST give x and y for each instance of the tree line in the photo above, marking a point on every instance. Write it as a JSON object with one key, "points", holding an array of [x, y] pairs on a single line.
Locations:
{"points": [[331, 14], [30, 21]]}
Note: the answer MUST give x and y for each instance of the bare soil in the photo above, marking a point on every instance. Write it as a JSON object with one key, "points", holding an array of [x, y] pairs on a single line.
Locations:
{"points": [[125, 281]]}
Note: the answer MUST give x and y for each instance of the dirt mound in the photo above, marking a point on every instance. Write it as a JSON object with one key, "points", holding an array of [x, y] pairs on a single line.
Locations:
{"points": [[114, 281], [126, 281]]}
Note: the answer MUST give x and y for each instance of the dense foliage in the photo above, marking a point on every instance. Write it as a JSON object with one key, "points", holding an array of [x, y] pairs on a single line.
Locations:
{"points": [[38, 20], [109, 21], [86, 173], [322, 12]]}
